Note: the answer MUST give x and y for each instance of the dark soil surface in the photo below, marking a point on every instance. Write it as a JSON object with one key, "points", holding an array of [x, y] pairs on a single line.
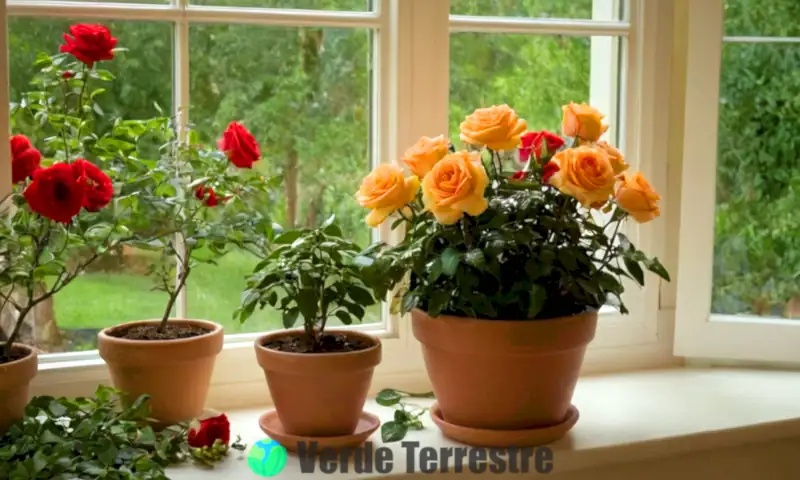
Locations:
{"points": [[150, 332], [329, 343], [15, 355]]}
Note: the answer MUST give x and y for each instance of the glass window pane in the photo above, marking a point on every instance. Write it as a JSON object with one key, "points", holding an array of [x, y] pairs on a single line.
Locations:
{"points": [[757, 246], [597, 9], [535, 75], [305, 95], [116, 289], [342, 5], [773, 18]]}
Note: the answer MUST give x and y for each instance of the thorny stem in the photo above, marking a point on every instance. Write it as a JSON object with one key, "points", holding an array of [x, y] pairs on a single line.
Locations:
{"points": [[185, 270]]}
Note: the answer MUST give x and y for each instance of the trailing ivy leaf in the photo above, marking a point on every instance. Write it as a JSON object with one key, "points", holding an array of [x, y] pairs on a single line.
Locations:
{"points": [[392, 431], [450, 261], [538, 297], [388, 397], [634, 269]]}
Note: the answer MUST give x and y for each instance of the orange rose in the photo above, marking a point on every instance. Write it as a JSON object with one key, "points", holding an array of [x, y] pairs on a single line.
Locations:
{"points": [[455, 186], [582, 121], [637, 197], [498, 128], [584, 173], [385, 191], [424, 154], [615, 157]]}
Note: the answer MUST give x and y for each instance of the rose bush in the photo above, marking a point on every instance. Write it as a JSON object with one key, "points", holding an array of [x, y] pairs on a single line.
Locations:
{"points": [[494, 235]]}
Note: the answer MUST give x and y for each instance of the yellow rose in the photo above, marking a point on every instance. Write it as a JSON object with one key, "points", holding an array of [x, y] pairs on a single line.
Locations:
{"points": [[385, 191], [584, 173], [582, 121], [615, 157], [637, 197], [498, 128], [424, 154], [455, 186]]}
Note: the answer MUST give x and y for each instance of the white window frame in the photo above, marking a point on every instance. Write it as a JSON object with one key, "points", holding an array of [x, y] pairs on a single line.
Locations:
{"points": [[412, 64], [699, 333]]}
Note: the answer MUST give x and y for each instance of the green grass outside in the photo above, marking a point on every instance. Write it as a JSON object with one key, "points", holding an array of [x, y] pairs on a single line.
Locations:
{"points": [[97, 300]]}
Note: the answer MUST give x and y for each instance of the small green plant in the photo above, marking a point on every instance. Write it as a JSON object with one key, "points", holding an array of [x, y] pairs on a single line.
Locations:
{"points": [[315, 274], [407, 416], [97, 437]]}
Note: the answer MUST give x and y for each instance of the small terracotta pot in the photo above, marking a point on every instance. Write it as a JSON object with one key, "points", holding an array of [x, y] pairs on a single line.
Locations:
{"points": [[503, 375], [15, 380], [318, 394], [175, 373]]}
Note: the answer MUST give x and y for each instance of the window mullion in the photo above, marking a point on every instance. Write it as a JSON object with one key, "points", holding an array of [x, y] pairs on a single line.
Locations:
{"points": [[180, 107], [537, 26], [5, 153]]}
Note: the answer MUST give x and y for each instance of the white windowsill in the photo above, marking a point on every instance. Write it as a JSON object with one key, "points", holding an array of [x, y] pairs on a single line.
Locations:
{"points": [[623, 418]]}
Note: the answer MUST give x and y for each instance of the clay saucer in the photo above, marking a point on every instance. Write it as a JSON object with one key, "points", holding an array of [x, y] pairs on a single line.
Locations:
{"points": [[504, 438], [272, 426]]}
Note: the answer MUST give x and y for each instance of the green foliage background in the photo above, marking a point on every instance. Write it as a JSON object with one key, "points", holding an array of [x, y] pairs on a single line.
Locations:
{"points": [[305, 94]]}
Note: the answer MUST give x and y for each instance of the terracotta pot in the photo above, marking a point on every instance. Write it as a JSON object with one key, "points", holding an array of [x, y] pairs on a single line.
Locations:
{"points": [[503, 375], [318, 394], [15, 380], [175, 373]]}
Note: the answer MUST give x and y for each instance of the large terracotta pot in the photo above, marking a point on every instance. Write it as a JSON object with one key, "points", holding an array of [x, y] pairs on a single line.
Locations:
{"points": [[15, 380], [318, 394], [175, 373], [503, 375]]}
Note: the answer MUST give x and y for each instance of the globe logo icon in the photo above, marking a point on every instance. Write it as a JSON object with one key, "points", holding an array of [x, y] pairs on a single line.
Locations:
{"points": [[266, 458]]}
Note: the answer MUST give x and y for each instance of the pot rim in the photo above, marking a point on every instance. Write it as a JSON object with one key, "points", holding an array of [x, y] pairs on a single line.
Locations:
{"points": [[458, 318], [280, 333], [30, 352], [215, 329]]}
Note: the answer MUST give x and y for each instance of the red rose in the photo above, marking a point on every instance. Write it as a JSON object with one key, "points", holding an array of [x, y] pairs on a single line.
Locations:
{"points": [[67, 75], [210, 430], [548, 170], [520, 175], [56, 193], [206, 194], [239, 146], [99, 188], [25, 159], [89, 43], [532, 142]]}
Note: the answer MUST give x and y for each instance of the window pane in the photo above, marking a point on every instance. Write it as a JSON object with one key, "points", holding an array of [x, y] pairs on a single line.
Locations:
{"points": [[603, 9], [757, 246], [535, 75], [116, 289], [342, 5], [305, 95], [774, 18]]}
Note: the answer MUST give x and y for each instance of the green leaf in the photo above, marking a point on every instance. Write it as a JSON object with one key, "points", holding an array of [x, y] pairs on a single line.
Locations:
{"points": [[360, 295], [538, 297], [634, 269], [388, 397], [475, 258], [656, 267], [307, 302], [287, 237], [290, 317], [393, 432], [344, 316], [450, 260], [437, 302]]}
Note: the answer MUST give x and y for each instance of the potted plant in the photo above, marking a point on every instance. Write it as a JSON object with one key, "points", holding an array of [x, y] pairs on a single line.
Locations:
{"points": [[61, 206], [193, 205], [318, 377], [507, 260]]}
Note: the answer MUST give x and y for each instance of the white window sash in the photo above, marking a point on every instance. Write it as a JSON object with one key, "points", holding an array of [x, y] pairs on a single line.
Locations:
{"points": [[698, 332]]}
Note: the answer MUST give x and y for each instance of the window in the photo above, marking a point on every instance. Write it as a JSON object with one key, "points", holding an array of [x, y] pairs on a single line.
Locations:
{"points": [[331, 87], [741, 200]]}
